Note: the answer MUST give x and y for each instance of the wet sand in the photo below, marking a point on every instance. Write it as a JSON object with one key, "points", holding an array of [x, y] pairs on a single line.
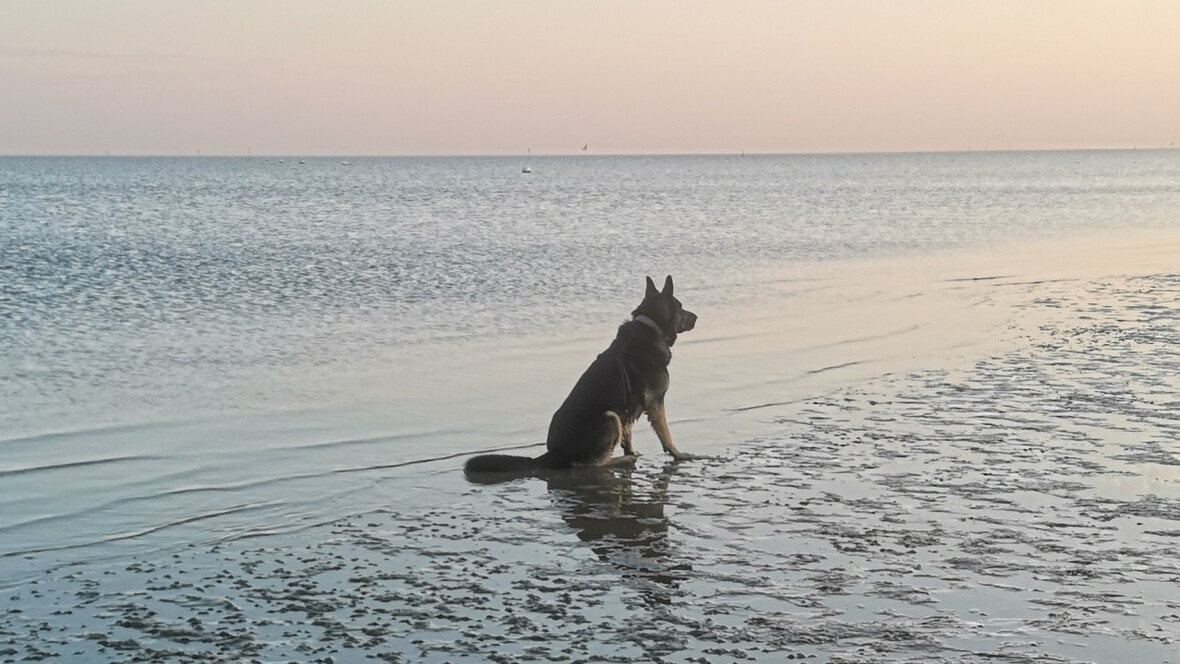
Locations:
{"points": [[1003, 485]]}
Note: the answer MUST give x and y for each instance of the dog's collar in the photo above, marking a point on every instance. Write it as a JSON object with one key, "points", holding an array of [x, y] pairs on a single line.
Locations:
{"points": [[648, 322]]}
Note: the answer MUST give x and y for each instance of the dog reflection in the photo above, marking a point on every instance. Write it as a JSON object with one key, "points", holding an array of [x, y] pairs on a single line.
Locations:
{"points": [[624, 523]]}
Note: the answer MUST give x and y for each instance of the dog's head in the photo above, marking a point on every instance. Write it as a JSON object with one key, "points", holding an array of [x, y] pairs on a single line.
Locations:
{"points": [[665, 310]]}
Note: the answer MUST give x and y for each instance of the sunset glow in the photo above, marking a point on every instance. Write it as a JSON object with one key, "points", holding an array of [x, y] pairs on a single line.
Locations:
{"points": [[296, 77]]}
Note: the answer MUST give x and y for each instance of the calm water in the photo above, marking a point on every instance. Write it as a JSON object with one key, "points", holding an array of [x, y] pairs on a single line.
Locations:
{"points": [[201, 324], [140, 289]]}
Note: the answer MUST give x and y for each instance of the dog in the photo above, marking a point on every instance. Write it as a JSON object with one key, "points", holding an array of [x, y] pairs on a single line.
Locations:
{"points": [[626, 380]]}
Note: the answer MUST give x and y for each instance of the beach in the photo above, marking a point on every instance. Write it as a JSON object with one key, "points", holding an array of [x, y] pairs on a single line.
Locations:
{"points": [[969, 457], [272, 276]]}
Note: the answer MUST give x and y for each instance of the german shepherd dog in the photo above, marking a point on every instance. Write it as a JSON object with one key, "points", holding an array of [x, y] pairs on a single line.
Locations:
{"points": [[627, 380]]}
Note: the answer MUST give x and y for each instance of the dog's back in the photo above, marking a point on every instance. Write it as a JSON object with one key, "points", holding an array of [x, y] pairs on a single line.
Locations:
{"points": [[624, 381]]}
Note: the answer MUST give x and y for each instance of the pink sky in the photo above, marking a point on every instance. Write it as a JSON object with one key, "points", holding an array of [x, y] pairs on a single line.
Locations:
{"points": [[392, 77]]}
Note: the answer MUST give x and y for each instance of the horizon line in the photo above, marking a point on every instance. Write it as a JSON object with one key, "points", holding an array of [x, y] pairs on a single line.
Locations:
{"points": [[574, 153]]}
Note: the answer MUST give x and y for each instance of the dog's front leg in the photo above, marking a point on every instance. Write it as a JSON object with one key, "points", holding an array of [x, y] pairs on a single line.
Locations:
{"points": [[625, 441], [659, 422]]}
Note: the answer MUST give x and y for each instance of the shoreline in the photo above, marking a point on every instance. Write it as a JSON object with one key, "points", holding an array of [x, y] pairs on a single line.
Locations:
{"points": [[807, 331], [997, 478]]}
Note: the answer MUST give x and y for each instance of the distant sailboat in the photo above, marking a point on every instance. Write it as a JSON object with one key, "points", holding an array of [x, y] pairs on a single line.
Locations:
{"points": [[527, 167]]}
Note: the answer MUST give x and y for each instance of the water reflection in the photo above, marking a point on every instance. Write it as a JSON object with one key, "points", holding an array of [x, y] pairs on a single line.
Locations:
{"points": [[623, 518]]}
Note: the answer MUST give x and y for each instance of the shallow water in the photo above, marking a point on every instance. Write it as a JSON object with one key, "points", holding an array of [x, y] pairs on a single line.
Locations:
{"points": [[141, 291], [1023, 508], [225, 405]]}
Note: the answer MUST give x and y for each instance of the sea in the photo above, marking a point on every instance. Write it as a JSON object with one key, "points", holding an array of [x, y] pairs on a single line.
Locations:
{"points": [[198, 350]]}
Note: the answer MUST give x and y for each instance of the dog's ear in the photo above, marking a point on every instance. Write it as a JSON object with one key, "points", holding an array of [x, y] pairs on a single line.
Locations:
{"points": [[651, 287], [668, 286]]}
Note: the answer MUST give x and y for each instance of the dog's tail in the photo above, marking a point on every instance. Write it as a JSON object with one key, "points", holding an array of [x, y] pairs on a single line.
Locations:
{"points": [[505, 463]]}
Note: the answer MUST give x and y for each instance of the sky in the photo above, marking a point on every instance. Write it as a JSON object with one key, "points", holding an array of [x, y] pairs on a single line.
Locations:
{"points": [[442, 77]]}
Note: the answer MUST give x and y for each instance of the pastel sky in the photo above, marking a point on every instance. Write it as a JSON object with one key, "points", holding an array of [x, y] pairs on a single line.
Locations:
{"points": [[393, 77]]}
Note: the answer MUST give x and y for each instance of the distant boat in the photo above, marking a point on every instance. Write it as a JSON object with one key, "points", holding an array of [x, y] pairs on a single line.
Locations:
{"points": [[527, 168], [346, 163]]}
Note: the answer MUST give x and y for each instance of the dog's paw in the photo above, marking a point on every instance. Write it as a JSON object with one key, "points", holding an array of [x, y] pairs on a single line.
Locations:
{"points": [[684, 456]]}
